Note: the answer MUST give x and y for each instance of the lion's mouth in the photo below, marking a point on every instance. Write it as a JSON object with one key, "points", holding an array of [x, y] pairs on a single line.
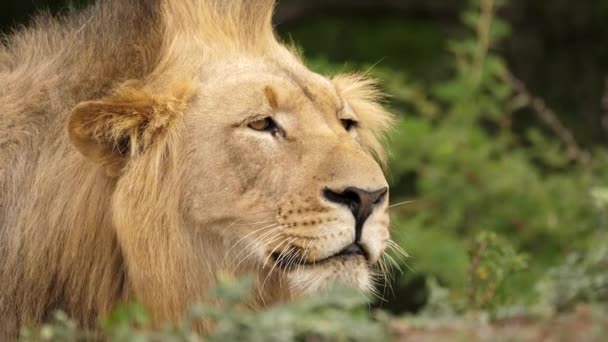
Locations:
{"points": [[290, 260]]}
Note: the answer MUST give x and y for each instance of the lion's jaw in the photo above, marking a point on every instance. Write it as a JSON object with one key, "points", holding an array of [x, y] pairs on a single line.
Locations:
{"points": [[264, 194]]}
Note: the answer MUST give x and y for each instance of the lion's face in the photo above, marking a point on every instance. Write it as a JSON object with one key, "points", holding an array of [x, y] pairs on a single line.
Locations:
{"points": [[254, 166], [280, 171]]}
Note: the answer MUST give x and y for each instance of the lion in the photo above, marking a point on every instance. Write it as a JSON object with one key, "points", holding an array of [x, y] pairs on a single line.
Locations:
{"points": [[150, 147]]}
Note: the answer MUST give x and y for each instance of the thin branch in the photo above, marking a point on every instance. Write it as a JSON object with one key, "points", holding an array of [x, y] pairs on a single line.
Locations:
{"points": [[549, 118], [604, 106], [605, 98]]}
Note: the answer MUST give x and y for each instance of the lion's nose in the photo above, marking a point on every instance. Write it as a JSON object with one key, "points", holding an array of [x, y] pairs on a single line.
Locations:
{"points": [[360, 202]]}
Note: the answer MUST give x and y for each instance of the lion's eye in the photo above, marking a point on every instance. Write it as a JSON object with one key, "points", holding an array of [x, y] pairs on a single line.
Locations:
{"points": [[264, 125], [348, 124]]}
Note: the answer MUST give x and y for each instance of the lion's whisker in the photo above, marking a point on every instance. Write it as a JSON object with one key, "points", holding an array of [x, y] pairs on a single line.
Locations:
{"points": [[303, 256], [374, 292], [271, 224], [261, 287], [288, 242], [249, 234], [393, 262], [267, 259], [401, 253], [388, 275], [254, 223], [402, 203], [298, 265], [270, 227], [264, 239], [271, 240]]}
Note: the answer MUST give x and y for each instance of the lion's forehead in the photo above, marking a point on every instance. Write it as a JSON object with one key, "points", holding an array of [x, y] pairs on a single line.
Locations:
{"points": [[247, 77]]}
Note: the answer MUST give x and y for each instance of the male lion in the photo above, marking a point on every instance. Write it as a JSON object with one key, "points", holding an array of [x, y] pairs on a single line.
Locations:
{"points": [[148, 146]]}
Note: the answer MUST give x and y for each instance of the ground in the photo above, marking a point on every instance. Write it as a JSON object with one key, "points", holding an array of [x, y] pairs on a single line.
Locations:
{"points": [[584, 324]]}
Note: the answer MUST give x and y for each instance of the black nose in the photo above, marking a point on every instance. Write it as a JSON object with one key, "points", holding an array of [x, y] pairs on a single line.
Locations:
{"points": [[360, 202]]}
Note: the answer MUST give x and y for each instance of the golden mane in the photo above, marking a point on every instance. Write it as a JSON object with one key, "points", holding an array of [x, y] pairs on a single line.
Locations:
{"points": [[46, 241]]}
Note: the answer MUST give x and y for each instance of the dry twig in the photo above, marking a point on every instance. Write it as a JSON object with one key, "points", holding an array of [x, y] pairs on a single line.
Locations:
{"points": [[549, 118], [604, 106]]}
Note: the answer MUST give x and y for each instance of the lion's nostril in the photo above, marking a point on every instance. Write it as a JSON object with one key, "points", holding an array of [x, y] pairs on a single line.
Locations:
{"points": [[360, 202], [356, 198], [338, 197], [380, 195]]}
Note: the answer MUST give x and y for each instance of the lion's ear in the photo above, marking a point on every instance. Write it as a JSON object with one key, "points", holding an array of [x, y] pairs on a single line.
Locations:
{"points": [[112, 130]]}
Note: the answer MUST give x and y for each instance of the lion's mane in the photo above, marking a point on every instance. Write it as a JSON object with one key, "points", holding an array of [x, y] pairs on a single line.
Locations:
{"points": [[63, 222]]}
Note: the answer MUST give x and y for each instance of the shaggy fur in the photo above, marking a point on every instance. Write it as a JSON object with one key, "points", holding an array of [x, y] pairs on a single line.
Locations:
{"points": [[102, 183]]}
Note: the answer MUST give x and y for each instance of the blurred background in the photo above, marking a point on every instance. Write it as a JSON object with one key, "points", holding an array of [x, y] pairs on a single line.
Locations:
{"points": [[499, 159]]}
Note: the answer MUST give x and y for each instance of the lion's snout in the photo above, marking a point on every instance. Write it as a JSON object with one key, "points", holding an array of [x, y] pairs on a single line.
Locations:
{"points": [[361, 203]]}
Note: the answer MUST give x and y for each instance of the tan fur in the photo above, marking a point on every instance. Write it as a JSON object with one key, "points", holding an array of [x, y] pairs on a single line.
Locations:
{"points": [[128, 171]]}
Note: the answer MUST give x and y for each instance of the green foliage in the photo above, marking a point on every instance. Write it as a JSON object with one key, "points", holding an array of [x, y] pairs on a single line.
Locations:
{"points": [[493, 260], [472, 172], [583, 275], [468, 171], [339, 314]]}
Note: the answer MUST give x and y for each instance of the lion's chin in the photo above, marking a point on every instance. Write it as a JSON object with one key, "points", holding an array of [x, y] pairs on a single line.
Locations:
{"points": [[352, 271]]}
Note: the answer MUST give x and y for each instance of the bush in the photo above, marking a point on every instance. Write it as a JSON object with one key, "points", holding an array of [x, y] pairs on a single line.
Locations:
{"points": [[340, 314]]}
